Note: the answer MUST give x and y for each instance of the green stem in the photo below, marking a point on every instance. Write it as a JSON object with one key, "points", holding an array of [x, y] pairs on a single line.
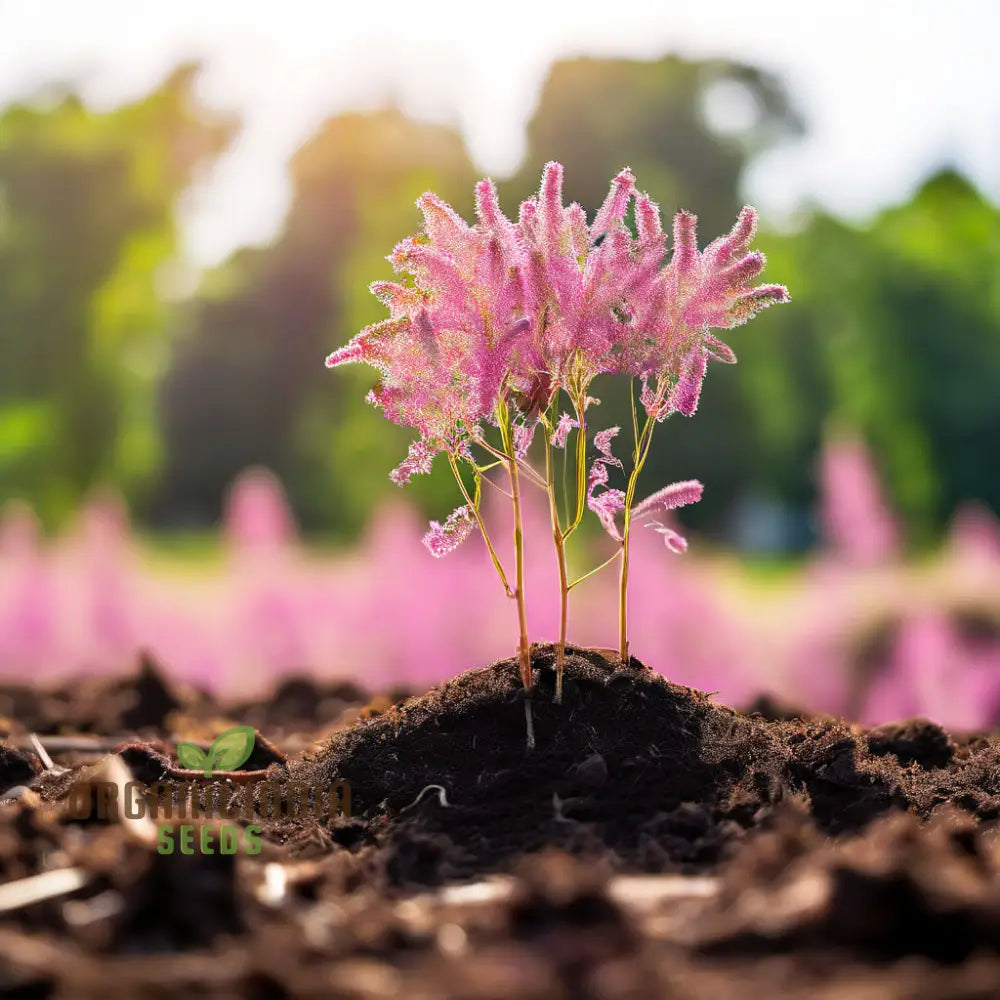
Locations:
{"points": [[635, 421], [497, 487], [558, 539], [581, 469], [506, 459], [522, 614], [596, 569], [474, 507], [565, 489], [641, 451]]}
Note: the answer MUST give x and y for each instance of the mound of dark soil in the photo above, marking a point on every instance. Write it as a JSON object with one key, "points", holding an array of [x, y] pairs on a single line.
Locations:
{"points": [[653, 844], [649, 775]]}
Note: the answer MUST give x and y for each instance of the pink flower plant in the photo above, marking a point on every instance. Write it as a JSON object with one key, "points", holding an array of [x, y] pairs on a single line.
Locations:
{"points": [[858, 523], [873, 643], [492, 324]]}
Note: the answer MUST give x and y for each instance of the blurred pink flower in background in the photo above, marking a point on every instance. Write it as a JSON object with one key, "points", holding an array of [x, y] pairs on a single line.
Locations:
{"points": [[856, 632], [102, 583], [28, 609], [858, 524], [933, 665], [975, 536], [867, 636], [266, 620], [257, 514]]}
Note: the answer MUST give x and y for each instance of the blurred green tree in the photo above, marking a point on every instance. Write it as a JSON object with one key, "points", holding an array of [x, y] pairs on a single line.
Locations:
{"points": [[248, 384], [687, 130], [86, 225], [894, 331]]}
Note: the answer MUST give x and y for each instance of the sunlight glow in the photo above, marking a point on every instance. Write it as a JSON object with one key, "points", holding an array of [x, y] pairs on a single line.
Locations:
{"points": [[880, 117]]}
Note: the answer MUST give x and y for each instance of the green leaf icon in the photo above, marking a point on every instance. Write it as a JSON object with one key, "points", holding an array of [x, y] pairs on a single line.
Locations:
{"points": [[192, 757], [231, 749]]}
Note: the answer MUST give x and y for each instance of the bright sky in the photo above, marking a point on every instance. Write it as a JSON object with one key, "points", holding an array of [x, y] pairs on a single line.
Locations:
{"points": [[891, 88]]}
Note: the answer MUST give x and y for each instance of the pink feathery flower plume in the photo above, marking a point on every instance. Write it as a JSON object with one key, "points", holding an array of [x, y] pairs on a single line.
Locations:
{"points": [[449, 344], [602, 300], [610, 502], [524, 434], [449, 348], [513, 312], [563, 427], [575, 276], [417, 462], [444, 538], [669, 498], [698, 291]]}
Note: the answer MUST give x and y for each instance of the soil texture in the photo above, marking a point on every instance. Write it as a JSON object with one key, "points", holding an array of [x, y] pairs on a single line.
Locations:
{"points": [[653, 844]]}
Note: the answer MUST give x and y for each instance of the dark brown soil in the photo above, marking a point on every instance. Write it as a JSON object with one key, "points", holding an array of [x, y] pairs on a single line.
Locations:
{"points": [[650, 776], [653, 844], [17, 767]]}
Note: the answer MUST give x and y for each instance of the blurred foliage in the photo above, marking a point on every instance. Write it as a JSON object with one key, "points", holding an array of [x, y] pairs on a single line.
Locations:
{"points": [[596, 116], [894, 327], [894, 330], [248, 385], [86, 223]]}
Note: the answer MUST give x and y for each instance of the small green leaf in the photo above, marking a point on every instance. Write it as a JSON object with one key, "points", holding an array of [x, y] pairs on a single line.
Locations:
{"points": [[192, 757], [231, 749]]}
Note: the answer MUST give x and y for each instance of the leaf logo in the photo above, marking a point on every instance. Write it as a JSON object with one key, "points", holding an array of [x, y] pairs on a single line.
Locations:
{"points": [[229, 750]]}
